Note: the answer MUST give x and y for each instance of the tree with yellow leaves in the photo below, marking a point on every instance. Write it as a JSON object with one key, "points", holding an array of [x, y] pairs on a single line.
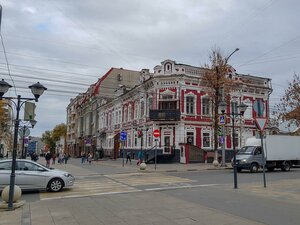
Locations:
{"points": [[6, 137], [288, 109]]}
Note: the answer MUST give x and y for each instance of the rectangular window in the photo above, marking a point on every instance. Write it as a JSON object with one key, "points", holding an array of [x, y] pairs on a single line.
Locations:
{"points": [[206, 140], [205, 106], [190, 105]]}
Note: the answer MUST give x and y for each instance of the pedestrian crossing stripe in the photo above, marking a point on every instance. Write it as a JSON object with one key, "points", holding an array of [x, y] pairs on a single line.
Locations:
{"points": [[116, 183]]}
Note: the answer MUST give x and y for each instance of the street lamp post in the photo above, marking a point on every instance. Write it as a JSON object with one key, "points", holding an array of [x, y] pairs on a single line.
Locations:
{"points": [[233, 115], [37, 90]]}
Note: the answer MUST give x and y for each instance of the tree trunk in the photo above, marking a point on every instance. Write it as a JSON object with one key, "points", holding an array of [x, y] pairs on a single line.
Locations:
{"points": [[216, 115]]}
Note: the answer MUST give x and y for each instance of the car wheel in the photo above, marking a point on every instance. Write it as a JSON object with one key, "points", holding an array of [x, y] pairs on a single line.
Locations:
{"points": [[286, 166], [270, 169], [239, 169], [253, 168], [55, 185]]}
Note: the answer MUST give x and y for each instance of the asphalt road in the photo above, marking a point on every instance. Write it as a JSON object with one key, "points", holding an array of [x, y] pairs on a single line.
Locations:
{"points": [[278, 203]]}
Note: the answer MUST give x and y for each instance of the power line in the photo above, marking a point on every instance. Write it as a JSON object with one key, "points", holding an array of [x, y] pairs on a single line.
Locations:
{"points": [[8, 70], [52, 59], [49, 79], [50, 70], [273, 49]]}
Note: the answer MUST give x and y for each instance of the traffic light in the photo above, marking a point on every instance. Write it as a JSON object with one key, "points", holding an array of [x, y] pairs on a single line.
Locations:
{"points": [[220, 133]]}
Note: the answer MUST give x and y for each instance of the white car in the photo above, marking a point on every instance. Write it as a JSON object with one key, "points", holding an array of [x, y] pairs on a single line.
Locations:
{"points": [[34, 176]]}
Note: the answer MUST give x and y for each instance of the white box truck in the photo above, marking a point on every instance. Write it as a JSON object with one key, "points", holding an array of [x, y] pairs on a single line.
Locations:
{"points": [[281, 151]]}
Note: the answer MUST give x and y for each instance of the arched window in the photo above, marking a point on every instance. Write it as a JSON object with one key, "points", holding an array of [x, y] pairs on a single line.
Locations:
{"points": [[142, 108], [136, 111]]}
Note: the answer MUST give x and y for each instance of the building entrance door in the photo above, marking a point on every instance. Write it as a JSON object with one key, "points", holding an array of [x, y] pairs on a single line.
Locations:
{"points": [[167, 145]]}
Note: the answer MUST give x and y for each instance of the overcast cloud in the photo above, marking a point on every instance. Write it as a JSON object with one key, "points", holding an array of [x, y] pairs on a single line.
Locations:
{"points": [[67, 45]]}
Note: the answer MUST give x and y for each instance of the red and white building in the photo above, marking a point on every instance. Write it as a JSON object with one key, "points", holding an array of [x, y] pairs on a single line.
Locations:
{"points": [[174, 101]]}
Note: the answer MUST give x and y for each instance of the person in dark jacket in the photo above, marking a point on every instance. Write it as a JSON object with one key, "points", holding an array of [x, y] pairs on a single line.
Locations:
{"points": [[48, 158]]}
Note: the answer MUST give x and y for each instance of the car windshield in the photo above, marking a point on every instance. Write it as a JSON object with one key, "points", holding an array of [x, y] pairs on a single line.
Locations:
{"points": [[247, 150], [41, 165]]}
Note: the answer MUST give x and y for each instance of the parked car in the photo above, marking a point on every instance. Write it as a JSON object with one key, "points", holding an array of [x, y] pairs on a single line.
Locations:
{"points": [[34, 176]]}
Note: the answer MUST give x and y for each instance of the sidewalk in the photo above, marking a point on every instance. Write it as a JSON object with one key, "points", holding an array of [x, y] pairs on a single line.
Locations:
{"points": [[116, 166], [161, 167]]}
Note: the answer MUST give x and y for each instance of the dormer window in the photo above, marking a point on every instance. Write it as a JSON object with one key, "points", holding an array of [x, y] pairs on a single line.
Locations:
{"points": [[168, 67]]}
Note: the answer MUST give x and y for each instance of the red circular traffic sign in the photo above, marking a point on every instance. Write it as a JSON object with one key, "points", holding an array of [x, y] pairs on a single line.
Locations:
{"points": [[156, 133]]}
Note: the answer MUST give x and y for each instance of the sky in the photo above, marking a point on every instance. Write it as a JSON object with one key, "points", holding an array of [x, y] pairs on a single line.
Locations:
{"points": [[68, 45]]}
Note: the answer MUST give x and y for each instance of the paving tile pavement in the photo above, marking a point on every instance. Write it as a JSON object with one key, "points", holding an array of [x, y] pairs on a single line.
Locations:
{"points": [[122, 209]]}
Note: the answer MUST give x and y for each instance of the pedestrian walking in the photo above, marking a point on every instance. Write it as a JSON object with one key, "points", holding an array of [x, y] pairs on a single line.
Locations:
{"points": [[90, 156], [83, 156], [48, 158], [128, 157], [140, 158], [66, 157], [61, 158]]}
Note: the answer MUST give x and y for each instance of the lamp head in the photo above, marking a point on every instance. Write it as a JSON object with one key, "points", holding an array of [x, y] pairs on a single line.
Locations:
{"points": [[37, 90], [243, 107], [222, 106], [33, 123], [4, 86]]}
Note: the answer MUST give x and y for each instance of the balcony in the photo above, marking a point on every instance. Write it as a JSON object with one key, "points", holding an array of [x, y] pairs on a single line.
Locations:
{"points": [[164, 115]]}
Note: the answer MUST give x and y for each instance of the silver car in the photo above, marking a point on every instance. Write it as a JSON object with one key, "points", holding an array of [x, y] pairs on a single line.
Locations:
{"points": [[34, 176]]}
